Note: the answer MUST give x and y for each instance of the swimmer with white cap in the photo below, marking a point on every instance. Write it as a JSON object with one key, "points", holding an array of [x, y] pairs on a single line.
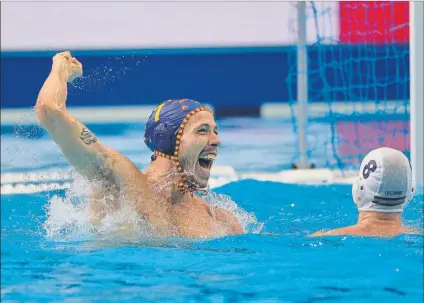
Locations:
{"points": [[184, 139], [381, 191]]}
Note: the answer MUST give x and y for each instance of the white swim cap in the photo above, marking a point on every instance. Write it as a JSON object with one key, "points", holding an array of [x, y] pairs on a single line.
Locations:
{"points": [[384, 183]]}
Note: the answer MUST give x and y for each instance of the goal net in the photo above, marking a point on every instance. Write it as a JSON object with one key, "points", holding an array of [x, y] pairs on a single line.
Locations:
{"points": [[357, 81]]}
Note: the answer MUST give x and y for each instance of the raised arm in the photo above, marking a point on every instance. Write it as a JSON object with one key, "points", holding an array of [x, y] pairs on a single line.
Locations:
{"points": [[87, 154]]}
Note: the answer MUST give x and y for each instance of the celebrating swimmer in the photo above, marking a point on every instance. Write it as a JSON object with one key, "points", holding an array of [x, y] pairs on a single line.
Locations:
{"points": [[381, 192], [183, 137]]}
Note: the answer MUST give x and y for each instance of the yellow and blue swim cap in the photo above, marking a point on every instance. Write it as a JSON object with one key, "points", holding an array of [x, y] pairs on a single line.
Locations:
{"points": [[166, 125]]}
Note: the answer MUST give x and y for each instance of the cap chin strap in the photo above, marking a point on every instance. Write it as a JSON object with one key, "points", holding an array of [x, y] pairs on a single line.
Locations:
{"points": [[183, 185]]}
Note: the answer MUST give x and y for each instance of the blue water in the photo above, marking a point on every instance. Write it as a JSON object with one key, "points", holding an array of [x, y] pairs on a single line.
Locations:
{"points": [[279, 264]]}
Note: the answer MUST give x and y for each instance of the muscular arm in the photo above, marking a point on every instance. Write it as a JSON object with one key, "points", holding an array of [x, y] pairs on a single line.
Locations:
{"points": [[88, 155]]}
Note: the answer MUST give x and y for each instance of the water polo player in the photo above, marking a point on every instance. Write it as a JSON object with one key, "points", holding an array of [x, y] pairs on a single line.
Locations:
{"points": [[182, 135], [381, 191]]}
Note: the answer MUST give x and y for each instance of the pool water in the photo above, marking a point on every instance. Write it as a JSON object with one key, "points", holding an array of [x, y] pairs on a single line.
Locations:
{"points": [[49, 253]]}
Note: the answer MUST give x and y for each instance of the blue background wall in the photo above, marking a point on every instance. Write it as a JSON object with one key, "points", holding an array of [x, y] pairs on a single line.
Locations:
{"points": [[233, 80]]}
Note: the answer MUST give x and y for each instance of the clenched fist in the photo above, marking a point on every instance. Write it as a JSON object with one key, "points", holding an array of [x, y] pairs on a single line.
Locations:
{"points": [[66, 66]]}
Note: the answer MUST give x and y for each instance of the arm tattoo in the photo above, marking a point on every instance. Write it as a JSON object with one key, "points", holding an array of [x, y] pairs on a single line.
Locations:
{"points": [[87, 136]]}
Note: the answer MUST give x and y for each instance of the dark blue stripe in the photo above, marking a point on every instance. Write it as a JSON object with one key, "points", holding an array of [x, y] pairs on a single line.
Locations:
{"points": [[389, 199], [233, 80], [387, 203]]}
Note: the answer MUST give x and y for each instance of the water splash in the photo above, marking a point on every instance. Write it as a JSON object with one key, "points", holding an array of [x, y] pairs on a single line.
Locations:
{"points": [[68, 217], [248, 220], [99, 78], [104, 74]]}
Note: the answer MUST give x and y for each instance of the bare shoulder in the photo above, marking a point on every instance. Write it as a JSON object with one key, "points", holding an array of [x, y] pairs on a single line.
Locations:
{"points": [[122, 169], [117, 160], [229, 220]]}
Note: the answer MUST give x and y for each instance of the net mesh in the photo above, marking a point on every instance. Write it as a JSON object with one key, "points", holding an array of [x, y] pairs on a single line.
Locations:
{"points": [[358, 80]]}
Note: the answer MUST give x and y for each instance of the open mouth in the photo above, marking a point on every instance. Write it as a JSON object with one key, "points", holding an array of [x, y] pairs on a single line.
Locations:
{"points": [[206, 161]]}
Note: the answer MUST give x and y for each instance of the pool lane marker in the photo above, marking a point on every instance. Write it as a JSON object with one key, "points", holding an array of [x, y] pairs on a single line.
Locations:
{"points": [[19, 183]]}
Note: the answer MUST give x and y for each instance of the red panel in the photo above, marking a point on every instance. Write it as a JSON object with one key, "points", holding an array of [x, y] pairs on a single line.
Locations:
{"points": [[374, 22], [361, 137]]}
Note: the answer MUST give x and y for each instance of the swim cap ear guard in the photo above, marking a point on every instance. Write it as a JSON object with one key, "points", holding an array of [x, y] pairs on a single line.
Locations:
{"points": [[367, 199]]}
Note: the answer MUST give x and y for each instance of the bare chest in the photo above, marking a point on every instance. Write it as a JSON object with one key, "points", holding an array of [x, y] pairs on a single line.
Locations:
{"points": [[199, 221], [192, 219]]}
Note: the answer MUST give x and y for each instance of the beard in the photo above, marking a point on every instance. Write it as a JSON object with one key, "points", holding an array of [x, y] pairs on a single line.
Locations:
{"points": [[197, 174]]}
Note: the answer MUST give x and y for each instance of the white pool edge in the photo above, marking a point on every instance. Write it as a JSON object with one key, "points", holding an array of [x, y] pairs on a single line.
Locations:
{"points": [[35, 182]]}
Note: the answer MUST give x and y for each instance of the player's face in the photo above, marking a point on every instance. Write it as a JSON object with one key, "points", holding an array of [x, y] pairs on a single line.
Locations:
{"points": [[199, 148]]}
